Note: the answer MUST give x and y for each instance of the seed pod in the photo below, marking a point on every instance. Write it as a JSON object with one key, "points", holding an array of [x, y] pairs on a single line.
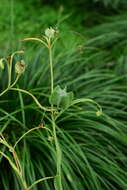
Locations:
{"points": [[20, 67]]}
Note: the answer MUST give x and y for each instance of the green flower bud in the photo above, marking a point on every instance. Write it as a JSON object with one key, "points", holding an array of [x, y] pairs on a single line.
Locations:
{"points": [[20, 67], [98, 113]]}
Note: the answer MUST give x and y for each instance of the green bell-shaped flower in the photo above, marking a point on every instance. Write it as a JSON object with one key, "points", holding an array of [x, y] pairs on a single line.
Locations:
{"points": [[61, 98]]}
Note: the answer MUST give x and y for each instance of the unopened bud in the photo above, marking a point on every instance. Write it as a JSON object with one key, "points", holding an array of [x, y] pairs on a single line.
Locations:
{"points": [[20, 67]]}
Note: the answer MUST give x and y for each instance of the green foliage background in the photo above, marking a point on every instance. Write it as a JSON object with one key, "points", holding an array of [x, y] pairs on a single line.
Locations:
{"points": [[90, 59]]}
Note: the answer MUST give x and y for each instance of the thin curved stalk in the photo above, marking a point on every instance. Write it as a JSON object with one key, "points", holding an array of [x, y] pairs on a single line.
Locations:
{"points": [[34, 98], [36, 39], [11, 149], [19, 174], [35, 128], [8, 88], [81, 100], [38, 181], [10, 66]]}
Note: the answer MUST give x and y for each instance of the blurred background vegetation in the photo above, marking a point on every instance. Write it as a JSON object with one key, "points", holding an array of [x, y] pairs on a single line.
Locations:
{"points": [[90, 58]]}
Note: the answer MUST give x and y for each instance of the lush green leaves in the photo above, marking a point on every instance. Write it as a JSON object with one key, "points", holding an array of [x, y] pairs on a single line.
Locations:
{"points": [[92, 65]]}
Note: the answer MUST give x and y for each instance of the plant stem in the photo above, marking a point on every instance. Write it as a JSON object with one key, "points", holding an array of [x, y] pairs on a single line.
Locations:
{"points": [[57, 147], [35, 128], [10, 66], [51, 68], [16, 170], [9, 72], [34, 98], [58, 185], [36, 39], [17, 162], [9, 87], [38, 181]]}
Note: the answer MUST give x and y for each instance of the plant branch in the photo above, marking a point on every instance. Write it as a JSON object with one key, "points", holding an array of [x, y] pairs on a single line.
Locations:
{"points": [[38, 181], [34, 98]]}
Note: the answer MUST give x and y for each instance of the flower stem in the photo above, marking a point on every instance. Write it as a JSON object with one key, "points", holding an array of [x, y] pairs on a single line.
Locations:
{"points": [[10, 66], [57, 146], [38, 181], [9, 87], [51, 68], [34, 98], [19, 174]]}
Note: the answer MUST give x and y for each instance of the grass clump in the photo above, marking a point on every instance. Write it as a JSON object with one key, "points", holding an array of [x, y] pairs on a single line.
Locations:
{"points": [[45, 131]]}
